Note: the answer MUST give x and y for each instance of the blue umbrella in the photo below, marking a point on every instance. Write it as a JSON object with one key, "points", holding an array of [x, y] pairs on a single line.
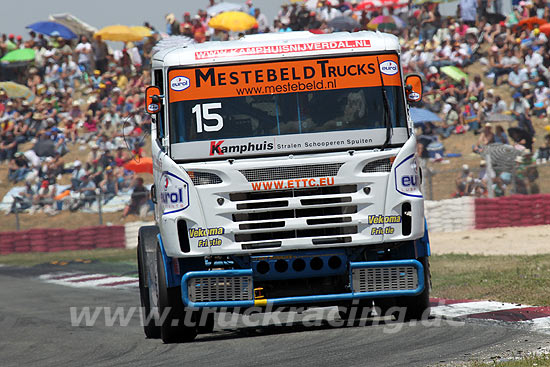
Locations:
{"points": [[53, 29], [422, 115]]}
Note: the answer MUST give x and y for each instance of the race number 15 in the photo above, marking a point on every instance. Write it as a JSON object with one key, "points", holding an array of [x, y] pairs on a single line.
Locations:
{"points": [[202, 111]]}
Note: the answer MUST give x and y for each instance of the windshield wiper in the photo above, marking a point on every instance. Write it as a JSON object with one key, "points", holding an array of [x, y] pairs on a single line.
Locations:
{"points": [[387, 122]]}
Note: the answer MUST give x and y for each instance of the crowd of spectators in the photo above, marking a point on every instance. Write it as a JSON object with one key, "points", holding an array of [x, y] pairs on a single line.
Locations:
{"points": [[88, 96], [85, 97]]}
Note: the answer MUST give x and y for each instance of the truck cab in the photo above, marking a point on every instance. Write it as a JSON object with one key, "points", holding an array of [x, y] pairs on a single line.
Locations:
{"points": [[285, 175]]}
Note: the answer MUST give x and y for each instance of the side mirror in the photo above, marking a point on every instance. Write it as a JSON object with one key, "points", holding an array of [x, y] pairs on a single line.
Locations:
{"points": [[413, 88], [152, 100]]}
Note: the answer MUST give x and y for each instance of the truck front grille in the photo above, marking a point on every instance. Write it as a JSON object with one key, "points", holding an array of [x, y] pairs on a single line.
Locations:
{"points": [[328, 211], [211, 289], [290, 172], [378, 279]]}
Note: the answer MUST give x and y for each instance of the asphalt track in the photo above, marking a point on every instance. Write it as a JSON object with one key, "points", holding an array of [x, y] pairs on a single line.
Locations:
{"points": [[36, 330]]}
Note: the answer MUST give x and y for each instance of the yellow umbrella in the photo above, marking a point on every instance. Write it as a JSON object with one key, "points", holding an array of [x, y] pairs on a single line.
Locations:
{"points": [[236, 21], [121, 33], [14, 90], [141, 30]]}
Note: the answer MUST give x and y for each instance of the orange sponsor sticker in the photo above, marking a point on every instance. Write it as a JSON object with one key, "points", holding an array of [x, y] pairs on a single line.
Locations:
{"points": [[283, 77]]}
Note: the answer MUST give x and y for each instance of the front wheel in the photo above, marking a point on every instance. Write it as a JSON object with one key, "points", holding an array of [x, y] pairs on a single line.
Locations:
{"points": [[173, 328], [150, 326], [418, 307], [206, 321]]}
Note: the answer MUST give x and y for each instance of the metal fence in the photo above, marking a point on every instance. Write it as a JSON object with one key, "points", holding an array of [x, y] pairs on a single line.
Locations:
{"points": [[488, 180], [139, 203]]}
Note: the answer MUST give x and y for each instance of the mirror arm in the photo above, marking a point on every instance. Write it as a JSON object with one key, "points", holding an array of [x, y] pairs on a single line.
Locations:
{"points": [[157, 99]]}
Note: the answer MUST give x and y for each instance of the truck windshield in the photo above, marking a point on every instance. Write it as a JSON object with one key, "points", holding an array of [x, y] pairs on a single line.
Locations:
{"points": [[286, 106], [311, 111]]}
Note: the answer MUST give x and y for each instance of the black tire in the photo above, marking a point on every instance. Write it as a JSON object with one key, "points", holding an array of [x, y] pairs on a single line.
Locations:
{"points": [[172, 329], [208, 326], [150, 328], [383, 306], [418, 307]]}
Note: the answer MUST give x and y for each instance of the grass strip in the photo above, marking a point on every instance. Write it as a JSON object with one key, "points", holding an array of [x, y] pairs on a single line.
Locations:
{"points": [[35, 258], [514, 279], [524, 361]]}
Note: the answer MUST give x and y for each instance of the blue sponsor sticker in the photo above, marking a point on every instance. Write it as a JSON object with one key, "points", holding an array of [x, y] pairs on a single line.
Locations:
{"points": [[389, 67], [174, 193], [180, 83]]}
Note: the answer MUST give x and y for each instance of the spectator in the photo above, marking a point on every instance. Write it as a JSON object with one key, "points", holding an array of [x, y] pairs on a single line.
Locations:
{"points": [[521, 110], [485, 138], [83, 51], [470, 115], [485, 173], [76, 175], [121, 156], [58, 138], [540, 96], [24, 200], [101, 51], [327, 11], [526, 175], [464, 182], [109, 185], [250, 8], [18, 168], [500, 105], [8, 146], [543, 153], [199, 32], [95, 170], [138, 200], [468, 11], [532, 59], [44, 198], [428, 22], [87, 190], [499, 187], [500, 135], [476, 88], [498, 66], [451, 120], [57, 166], [70, 72], [263, 22], [172, 25], [517, 77]]}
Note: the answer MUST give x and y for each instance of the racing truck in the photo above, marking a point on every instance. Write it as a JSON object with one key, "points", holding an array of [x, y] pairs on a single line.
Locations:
{"points": [[285, 175]]}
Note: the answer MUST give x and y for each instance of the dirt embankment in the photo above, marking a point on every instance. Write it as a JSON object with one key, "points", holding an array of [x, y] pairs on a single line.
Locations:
{"points": [[494, 241]]}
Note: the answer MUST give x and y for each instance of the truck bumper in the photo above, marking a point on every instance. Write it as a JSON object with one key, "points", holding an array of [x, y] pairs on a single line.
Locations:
{"points": [[235, 288]]}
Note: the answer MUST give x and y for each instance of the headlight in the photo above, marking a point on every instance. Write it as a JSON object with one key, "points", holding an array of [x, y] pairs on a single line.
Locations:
{"points": [[204, 178], [379, 165]]}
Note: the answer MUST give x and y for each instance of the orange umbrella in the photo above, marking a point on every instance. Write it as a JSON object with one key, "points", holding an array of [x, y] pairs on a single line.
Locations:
{"points": [[140, 165], [545, 28], [530, 22]]}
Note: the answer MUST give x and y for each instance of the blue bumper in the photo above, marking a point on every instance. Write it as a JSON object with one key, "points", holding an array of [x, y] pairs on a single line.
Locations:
{"points": [[323, 298]]}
